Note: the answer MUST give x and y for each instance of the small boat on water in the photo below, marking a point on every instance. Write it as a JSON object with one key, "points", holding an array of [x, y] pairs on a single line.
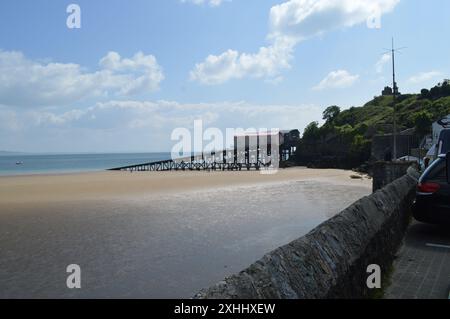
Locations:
{"points": [[19, 163]]}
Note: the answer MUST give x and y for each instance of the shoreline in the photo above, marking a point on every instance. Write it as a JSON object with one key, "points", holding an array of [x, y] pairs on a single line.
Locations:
{"points": [[20, 189], [100, 171], [158, 234], [52, 173]]}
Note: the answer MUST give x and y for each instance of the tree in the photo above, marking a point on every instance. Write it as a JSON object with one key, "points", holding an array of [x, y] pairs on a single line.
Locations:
{"points": [[425, 93], [435, 92], [423, 121], [312, 131], [445, 89], [331, 113], [360, 148]]}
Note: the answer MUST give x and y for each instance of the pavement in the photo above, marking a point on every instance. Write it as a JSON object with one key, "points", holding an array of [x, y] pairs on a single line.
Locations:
{"points": [[422, 269]]}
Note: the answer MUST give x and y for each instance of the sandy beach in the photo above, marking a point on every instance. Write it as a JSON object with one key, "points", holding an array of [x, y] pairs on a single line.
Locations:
{"points": [[34, 189], [155, 235]]}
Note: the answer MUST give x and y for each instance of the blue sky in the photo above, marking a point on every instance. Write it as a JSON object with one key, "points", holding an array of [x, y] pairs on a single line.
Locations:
{"points": [[136, 70]]}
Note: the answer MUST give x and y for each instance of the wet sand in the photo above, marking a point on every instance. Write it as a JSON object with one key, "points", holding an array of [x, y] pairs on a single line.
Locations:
{"points": [[155, 235], [84, 186]]}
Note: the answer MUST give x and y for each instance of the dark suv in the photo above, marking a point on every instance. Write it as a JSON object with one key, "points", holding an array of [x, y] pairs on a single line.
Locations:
{"points": [[433, 194]]}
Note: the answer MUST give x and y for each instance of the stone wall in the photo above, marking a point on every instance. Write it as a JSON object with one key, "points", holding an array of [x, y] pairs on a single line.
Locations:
{"points": [[383, 144], [385, 173], [331, 261]]}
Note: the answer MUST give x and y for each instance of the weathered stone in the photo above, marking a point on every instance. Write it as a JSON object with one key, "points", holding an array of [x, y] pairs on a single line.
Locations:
{"points": [[331, 261], [385, 173]]}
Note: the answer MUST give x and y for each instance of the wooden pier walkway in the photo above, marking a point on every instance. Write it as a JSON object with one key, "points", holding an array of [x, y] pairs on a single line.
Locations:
{"points": [[223, 161]]}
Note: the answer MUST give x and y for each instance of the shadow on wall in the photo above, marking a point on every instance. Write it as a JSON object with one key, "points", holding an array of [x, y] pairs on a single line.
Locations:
{"points": [[385, 173]]}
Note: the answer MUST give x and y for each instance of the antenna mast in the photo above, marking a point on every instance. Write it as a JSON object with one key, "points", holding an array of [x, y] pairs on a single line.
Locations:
{"points": [[394, 93]]}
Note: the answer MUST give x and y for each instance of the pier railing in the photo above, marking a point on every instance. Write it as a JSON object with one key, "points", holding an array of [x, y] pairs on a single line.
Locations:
{"points": [[224, 160]]}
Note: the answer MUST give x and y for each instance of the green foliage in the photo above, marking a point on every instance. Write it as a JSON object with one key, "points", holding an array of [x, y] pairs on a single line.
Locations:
{"points": [[361, 147], [425, 94], [312, 131], [377, 114], [422, 122], [441, 90], [345, 139], [331, 113]]}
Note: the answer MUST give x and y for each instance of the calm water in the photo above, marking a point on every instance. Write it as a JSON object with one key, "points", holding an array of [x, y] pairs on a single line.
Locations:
{"points": [[67, 163]]}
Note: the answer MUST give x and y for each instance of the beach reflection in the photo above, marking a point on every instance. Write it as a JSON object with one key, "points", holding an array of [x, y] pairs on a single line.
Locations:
{"points": [[165, 246]]}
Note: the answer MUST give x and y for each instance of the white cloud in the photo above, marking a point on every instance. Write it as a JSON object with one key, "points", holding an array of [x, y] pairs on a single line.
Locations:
{"points": [[424, 77], [138, 125], [45, 117], [212, 3], [290, 23], [337, 80], [381, 63], [268, 62], [302, 19], [175, 113], [150, 72], [24, 82]]}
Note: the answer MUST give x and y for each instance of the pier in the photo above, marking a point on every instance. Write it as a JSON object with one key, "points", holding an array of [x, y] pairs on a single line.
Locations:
{"points": [[251, 151], [222, 161]]}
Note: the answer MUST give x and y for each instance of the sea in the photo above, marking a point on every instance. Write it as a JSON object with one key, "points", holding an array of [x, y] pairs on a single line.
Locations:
{"points": [[30, 164], [147, 245]]}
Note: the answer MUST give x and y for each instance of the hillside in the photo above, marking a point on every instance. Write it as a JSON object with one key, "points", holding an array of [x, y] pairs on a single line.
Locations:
{"points": [[344, 141], [379, 111]]}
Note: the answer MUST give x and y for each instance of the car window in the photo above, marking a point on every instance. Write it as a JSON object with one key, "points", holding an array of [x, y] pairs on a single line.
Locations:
{"points": [[437, 171], [444, 142]]}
